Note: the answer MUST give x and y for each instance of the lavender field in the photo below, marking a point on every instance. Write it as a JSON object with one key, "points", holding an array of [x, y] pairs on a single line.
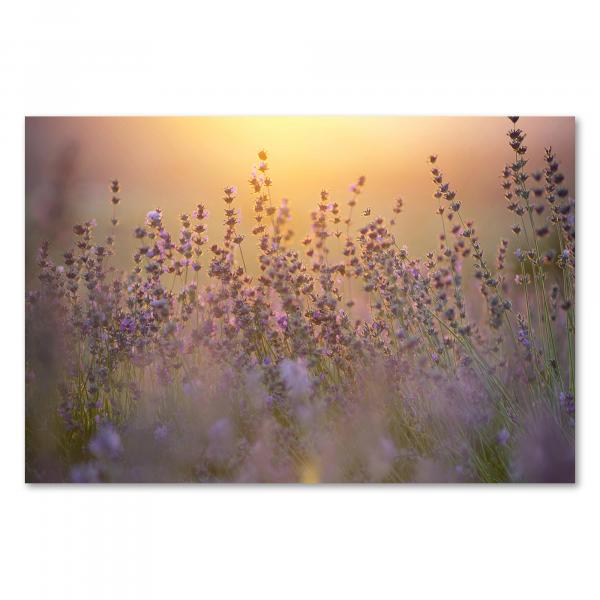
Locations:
{"points": [[221, 352]]}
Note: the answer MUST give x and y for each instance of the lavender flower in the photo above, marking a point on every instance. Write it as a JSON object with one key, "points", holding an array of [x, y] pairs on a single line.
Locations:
{"points": [[106, 443], [296, 377]]}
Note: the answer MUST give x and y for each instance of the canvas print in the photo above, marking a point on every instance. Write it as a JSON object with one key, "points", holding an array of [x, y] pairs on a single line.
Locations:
{"points": [[300, 300]]}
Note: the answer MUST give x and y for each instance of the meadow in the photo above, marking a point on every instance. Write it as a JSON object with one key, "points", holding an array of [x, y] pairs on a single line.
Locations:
{"points": [[342, 359]]}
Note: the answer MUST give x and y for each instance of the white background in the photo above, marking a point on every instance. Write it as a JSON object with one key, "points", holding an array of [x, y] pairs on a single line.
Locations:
{"points": [[433, 58]]}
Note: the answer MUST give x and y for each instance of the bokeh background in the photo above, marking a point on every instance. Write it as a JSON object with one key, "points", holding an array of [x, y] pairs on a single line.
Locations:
{"points": [[176, 162]]}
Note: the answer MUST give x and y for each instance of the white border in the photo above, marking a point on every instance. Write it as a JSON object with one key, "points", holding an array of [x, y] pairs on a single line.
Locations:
{"points": [[436, 57]]}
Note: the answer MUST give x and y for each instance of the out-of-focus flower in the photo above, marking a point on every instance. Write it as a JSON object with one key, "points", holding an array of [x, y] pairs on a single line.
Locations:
{"points": [[381, 458], [543, 454], [161, 432], [85, 473], [296, 377], [221, 440], [192, 388], [503, 436], [106, 443]]}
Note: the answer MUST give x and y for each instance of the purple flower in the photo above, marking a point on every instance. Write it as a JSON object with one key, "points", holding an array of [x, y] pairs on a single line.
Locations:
{"points": [[567, 402], [154, 217], [106, 443], [128, 324], [161, 432], [519, 254], [503, 436], [85, 473], [221, 440], [282, 321]]}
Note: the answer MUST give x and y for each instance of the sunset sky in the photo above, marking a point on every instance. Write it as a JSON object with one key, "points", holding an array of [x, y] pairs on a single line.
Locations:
{"points": [[174, 163]]}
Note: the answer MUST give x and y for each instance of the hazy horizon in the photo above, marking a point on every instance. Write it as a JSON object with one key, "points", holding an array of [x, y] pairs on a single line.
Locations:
{"points": [[176, 162]]}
